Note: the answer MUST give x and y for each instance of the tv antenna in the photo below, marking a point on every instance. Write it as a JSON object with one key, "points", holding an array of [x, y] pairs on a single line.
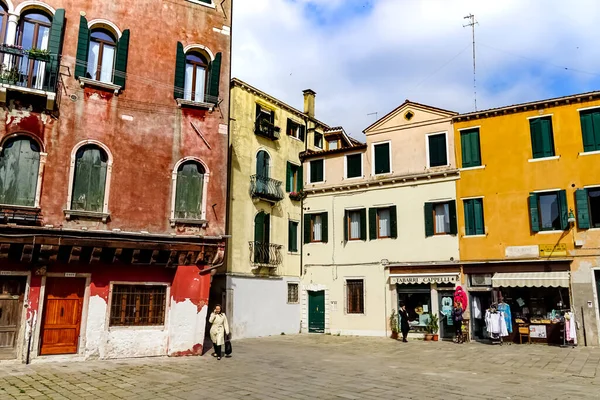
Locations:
{"points": [[472, 24], [373, 113]]}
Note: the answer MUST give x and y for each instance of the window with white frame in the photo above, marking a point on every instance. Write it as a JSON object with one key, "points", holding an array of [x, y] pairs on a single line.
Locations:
{"points": [[101, 57], [189, 190], [437, 150], [381, 154]]}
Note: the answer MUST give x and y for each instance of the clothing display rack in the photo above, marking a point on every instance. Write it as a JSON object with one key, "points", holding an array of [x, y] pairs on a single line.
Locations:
{"points": [[495, 337], [563, 318]]}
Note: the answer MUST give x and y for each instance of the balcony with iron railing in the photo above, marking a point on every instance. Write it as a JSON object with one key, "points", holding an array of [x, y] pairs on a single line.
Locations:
{"points": [[266, 189], [33, 71], [266, 129], [265, 255]]}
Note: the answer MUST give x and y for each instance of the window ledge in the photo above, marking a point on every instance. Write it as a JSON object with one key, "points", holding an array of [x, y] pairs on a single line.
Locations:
{"points": [[550, 232], [589, 153], [100, 85], [188, 221], [474, 236], [137, 328], [195, 104], [69, 214], [472, 168], [543, 159], [23, 208]]}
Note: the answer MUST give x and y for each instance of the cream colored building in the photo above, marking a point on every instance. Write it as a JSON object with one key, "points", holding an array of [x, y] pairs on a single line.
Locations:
{"points": [[260, 286], [380, 226]]}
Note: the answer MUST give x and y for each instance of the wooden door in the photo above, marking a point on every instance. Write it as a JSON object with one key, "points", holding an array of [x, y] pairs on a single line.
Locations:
{"points": [[316, 312], [12, 293], [62, 315]]}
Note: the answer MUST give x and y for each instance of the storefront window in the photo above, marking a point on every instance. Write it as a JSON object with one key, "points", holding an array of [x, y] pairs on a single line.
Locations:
{"points": [[417, 299]]}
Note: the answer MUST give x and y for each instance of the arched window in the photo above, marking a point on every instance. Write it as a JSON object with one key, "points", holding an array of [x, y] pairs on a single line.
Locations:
{"points": [[34, 33], [196, 67], [101, 57], [4, 23], [189, 190], [19, 169], [263, 162], [89, 180], [262, 228]]}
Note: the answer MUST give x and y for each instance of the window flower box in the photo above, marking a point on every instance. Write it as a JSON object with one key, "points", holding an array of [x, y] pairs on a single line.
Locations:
{"points": [[39, 54], [297, 196]]}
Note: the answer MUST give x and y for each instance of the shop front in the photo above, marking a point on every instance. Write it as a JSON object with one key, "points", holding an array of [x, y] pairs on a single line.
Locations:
{"points": [[425, 295], [534, 301]]}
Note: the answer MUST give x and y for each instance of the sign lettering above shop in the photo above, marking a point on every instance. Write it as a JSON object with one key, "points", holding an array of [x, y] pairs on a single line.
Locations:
{"points": [[420, 279], [553, 250]]}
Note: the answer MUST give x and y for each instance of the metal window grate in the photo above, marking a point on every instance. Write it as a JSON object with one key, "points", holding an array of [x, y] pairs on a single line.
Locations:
{"points": [[356, 298], [292, 293], [138, 305]]}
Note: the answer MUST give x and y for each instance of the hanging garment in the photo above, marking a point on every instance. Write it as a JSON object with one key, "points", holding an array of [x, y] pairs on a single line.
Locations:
{"points": [[461, 296], [477, 312], [502, 323], [505, 309], [570, 327], [495, 324]]}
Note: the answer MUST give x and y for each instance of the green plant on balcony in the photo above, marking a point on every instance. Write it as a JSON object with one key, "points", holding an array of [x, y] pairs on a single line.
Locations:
{"points": [[38, 54], [9, 75], [11, 49], [297, 196]]}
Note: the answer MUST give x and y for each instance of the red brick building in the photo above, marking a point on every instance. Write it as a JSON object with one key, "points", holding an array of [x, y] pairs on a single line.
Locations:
{"points": [[113, 177]]}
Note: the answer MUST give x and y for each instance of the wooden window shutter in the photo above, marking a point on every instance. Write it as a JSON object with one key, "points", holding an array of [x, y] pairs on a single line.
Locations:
{"points": [[179, 72], [429, 231], [393, 222], [188, 197], [465, 148], [289, 177], [564, 209], [452, 216], [547, 137], [307, 228], [121, 59], [469, 218], [267, 228], [535, 127], [363, 224], [534, 215], [300, 180], [346, 226], [587, 130], [83, 48], [382, 158], [583, 209], [471, 152], [475, 148], [259, 227], [215, 79], [89, 181], [325, 228], [437, 150], [372, 223], [479, 220], [19, 167], [55, 43], [290, 236]]}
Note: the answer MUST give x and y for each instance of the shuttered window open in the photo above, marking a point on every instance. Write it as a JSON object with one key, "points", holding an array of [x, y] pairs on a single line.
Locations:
{"points": [[470, 148], [438, 155], [189, 192], [583, 206], [542, 140], [590, 129], [89, 180], [382, 158], [19, 168], [548, 211]]}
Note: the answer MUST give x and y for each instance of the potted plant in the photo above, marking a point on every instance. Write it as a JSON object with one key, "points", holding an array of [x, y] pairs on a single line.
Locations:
{"points": [[297, 196], [39, 54], [394, 324], [433, 327]]}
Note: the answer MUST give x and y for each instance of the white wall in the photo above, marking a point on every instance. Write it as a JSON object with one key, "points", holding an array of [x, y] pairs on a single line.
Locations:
{"points": [[260, 307]]}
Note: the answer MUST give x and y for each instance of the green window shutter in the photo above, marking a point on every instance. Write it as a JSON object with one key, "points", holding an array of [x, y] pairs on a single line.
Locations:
{"points": [[469, 218], [437, 150], [470, 148], [289, 178], [564, 209], [215, 79], [55, 44], [547, 137], [292, 236], [19, 167], [83, 48], [302, 132], [478, 217], [121, 59], [90, 180], [262, 164], [393, 222], [188, 196], [267, 228], [429, 219], [353, 166], [290, 241], [596, 121], [535, 127], [300, 180], [179, 72], [316, 171], [346, 226], [259, 227], [475, 148], [325, 233], [583, 209], [534, 214], [453, 221], [372, 223], [587, 130], [307, 228], [363, 224], [382, 158]]}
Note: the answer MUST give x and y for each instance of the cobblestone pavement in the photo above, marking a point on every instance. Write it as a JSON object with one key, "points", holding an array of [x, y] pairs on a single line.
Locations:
{"points": [[323, 367]]}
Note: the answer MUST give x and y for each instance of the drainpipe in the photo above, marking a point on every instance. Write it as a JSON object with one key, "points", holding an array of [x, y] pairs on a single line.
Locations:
{"points": [[301, 238]]}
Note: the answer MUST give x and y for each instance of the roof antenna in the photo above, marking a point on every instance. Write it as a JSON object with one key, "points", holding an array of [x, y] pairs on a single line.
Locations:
{"points": [[373, 113], [472, 24]]}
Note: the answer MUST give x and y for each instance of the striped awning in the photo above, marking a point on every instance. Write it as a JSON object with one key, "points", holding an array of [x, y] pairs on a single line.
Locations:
{"points": [[531, 279]]}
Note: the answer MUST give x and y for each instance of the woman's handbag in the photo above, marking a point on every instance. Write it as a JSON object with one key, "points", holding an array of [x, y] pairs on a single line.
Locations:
{"points": [[228, 349]]}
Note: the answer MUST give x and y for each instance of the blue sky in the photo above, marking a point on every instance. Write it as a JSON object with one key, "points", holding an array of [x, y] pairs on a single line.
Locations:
{"points": [[367, 56]]}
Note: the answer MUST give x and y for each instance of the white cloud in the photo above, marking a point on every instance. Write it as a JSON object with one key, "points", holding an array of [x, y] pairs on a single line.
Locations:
{"points": [[373, 62]]}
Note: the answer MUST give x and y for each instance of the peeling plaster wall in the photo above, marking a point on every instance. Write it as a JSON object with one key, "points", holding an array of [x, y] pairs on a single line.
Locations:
{"points": [[186, 328]]}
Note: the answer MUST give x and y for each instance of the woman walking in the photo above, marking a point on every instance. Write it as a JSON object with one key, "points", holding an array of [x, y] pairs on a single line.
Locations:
{"points": [[404, 326], [457, 318], [218, 330]]}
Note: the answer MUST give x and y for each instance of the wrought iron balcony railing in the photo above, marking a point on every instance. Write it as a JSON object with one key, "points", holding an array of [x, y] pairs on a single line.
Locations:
{"points": [[265, 254], [31, 69], [266, 129], [266, 188]]}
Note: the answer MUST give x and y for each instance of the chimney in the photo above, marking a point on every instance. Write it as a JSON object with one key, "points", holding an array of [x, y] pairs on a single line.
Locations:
{"points": [[309, 102]]}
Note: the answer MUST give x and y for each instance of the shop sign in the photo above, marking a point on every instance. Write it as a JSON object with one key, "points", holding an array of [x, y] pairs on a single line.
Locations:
{"points": [[553, 250], [537, 331], [423, 279]]}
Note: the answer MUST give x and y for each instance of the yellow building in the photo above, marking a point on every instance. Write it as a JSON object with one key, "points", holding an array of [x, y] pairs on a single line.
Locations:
{"points": [[529, 213], [260, 287]]}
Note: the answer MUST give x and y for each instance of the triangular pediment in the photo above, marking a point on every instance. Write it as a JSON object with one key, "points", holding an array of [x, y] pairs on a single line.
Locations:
{"points": [[409, 113]]}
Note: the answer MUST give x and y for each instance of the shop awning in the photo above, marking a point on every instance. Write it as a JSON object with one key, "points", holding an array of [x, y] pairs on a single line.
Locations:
{"points": [[531, 279], [422, 278]]}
